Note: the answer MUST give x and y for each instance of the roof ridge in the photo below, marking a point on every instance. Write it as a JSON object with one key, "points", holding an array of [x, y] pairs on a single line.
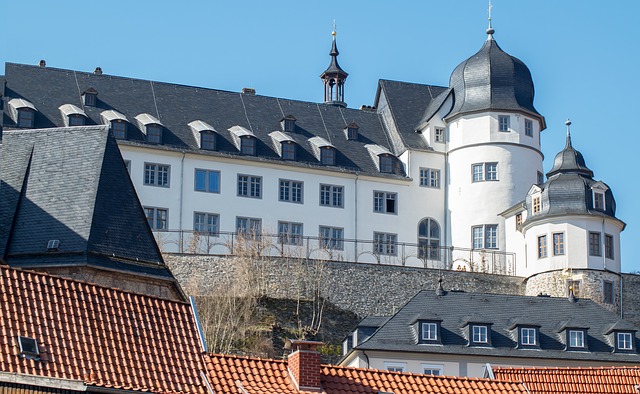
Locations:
{"points": [[238, 356], [4, 267]]}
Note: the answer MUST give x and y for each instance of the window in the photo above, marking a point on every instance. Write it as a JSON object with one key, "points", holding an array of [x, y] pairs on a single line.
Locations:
{"points": [[28, 346], [485, 237], [352, 133], [249, 227], [484, 172], [90, 99], [608, 246], [385, 244], [249, 186], [598, 201], [119, 129], [157, 217], [328, 156], [429, 331], [528, 128], [331, 195], [624, 341], [331, 237], [156, 174], [542, 246], [438, 134], [154, 134], [480, 334], [540, 178], [384, 202], [290, 191], [206, 223], [207, 140], [558, 244], [386, 164], [503, 123], [594, 244], [428, 369], [528, 336], [429, 239], [288, 151], [537, 205], [607, 292], [207, 181], [76, 120], [430, 178], [290, 233], [26, 118], [576, 338], [518, 219], [395, 367], [574, 286], [289, 123], [248, 146]]}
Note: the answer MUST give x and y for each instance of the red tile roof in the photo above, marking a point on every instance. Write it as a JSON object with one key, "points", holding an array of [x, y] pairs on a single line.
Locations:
{"points": [[596, 380], [244, 375], [97, 335]]}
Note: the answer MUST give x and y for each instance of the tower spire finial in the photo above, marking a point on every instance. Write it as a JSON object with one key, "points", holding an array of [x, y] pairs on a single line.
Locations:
{"points": [[490, 29], [333, 33], [568, 123]]}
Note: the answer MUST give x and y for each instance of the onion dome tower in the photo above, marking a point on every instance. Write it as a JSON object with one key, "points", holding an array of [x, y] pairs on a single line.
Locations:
{"points": [[567, 212], [334, 77]]}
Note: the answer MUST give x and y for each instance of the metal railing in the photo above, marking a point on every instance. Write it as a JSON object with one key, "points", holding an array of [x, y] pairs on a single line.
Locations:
{"points": [[346, 250]]}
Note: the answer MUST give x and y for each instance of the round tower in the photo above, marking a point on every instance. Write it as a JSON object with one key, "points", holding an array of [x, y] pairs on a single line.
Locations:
{"points": [[493, 147]]}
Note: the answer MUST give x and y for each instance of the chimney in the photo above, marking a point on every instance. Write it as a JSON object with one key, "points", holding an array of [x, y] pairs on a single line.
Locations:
{"points": [[42, 63], [98, 71], [304, 363], [248, 91]]}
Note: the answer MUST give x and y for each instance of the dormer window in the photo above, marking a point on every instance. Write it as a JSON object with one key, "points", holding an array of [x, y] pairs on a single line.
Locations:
{"points": [[429, 331], [480, 334], [22, 112], [386, 164], [119, 129], [288, 150], [28, 346], [598, 200], [288, 124], [537, 204], [26, 118], [248, 146], [72, 115], [528, 337], [154, 134], [90, 97], [438, 134], [207, 140], [328, 156], [576, 339], [151, 127], [352, 131], [624, 341]]}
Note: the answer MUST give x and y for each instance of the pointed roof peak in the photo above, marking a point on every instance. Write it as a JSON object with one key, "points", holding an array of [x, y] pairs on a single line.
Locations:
{"points": [[569, 160]]}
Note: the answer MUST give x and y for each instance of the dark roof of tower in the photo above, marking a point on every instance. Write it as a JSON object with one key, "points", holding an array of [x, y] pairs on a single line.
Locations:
{"points": [[71, 185], [334, 67], [492, 80], [569, 160]]}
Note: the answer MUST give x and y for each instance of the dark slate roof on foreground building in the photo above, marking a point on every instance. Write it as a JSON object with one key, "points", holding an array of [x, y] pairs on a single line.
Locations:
{"points": [[177, 105], [503, 313], [71, 185]]}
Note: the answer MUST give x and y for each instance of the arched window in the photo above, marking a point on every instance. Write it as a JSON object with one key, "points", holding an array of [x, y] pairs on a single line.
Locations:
{"points": [[429, 239]]}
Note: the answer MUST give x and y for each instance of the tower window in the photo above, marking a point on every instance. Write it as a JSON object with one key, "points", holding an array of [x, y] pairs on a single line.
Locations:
{"points": [[558, 244], [608, 246], [542, 246], [598, 200], [537, 205], [484, 172], [607, 292], [503, 122], [594, 244], [528, 128]]}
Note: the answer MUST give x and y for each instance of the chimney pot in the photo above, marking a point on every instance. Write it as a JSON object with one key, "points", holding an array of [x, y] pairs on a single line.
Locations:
{"points": [[98, 71], [42, 63]]}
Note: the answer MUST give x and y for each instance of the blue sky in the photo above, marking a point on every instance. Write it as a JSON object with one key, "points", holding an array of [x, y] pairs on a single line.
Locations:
{"points": [[584, 57]]}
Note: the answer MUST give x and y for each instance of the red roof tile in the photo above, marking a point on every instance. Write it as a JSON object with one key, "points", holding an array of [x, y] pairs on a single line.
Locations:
{"points": [[273, 378], [595, 380], [101, 336]]}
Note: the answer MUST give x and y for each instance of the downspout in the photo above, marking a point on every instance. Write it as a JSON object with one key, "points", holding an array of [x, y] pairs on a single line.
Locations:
{"points": [[447, 216], [367, 357], [181, 202], [604, 254], [355, 209]]}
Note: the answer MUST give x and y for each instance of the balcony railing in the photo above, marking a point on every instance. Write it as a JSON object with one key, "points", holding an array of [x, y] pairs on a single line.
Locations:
{"points": [[347, 250]]}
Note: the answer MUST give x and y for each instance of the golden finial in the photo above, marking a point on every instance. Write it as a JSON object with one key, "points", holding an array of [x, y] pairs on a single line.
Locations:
{"points": [[333, 33]]}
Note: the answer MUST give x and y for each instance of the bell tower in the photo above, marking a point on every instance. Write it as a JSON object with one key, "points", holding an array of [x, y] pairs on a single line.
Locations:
{"points": [[333, 78]]}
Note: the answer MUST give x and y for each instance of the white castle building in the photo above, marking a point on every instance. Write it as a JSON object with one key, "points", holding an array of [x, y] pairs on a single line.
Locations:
{"points": [[442, 177]]}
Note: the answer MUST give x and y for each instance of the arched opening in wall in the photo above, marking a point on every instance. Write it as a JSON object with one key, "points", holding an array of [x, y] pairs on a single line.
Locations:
{"points": [[429, 239]]}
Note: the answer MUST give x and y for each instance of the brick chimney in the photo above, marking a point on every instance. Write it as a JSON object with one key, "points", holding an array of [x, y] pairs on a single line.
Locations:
{"points": [[304, 363]]}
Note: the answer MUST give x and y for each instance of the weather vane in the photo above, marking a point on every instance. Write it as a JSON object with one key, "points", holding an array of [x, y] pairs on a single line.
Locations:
{"points": [[489, 11], [333, 33]]}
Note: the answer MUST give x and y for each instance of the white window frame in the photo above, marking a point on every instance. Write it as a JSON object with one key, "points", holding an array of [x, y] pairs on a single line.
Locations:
{"points": [[290, 191], [251, 187], [331, 196], [528, 127], [625, 339], [487, 236], [381, 202], [477, 332], [576, 339], [428, 369], [531, 336], [484, 172], [599, 200], [504, 123], [438, 134], [429, 331], [430, 177], [395, 366], [156, 174]]}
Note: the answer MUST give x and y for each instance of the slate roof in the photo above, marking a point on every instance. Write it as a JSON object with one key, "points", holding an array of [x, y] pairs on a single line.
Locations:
{"points": [[177, 105], [601, 380], [71, 185], [569, 189], [490, 80], [100, 336], [503, 313], [407, 102], [244, 375]]}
